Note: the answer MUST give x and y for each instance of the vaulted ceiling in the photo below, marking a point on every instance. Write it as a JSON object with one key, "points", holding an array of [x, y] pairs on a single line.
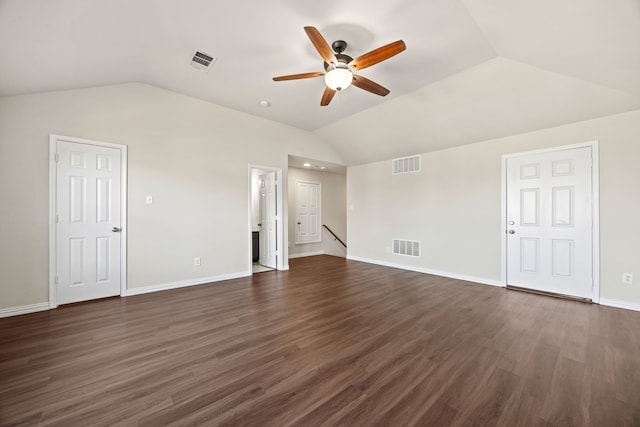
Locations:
{"points": [[473, 69]]}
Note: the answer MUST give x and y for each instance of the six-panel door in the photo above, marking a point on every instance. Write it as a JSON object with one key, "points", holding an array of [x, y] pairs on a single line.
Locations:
{"points": [[549, 222], [88, 221]]}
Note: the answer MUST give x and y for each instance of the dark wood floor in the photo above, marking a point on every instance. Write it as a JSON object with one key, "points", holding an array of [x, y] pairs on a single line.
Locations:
{"points": [[331, 342]]}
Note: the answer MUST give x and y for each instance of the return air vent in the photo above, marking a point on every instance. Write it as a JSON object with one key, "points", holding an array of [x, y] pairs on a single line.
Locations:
{"points": [[406, 247], [406, 165], [201, 60]]}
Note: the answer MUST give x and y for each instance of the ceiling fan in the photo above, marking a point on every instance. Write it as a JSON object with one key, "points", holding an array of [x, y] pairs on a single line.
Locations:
{"points": [[339, 67]]}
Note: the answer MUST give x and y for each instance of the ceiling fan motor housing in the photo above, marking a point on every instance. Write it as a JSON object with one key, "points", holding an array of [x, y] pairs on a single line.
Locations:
{"points": [[338, 47], [343, 62]]}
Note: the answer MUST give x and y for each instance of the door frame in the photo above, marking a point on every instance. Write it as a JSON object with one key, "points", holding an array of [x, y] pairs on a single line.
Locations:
{"points": [[595, 204], [280, 218], [53, 140]]}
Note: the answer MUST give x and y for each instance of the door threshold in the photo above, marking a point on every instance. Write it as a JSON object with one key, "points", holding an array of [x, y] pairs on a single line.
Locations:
{"points": [[550, 294], [259, 268]]}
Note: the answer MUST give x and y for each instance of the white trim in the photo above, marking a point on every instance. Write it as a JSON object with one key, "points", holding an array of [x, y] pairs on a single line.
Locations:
{"points": [[503, 221], [53, 291], [474, 279], [595, 189], [552, 149], [185, 283], [53, 139], [306, 254], [23, 309], [281, 250], [619, 304]]}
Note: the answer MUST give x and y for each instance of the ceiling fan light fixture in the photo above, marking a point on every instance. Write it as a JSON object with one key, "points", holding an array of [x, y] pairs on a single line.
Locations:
{"points": [[338, 78], [338, 66]]}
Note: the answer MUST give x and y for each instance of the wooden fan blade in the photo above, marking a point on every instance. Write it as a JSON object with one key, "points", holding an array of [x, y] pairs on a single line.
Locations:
{"points": [[327, 96], [378, 55], [321, 45], [298, 76], [369, 86]]}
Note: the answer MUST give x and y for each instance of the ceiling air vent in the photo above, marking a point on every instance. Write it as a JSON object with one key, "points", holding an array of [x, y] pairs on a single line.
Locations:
{"points": [[406, 165], [201, 60], [406, 247]]}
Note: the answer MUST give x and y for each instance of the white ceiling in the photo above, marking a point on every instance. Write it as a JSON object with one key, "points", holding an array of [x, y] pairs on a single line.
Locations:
{"points": [[473, 69]]}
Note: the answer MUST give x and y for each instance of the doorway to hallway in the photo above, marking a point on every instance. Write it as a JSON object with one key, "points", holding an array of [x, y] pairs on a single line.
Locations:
{"points": [[265, 224]]}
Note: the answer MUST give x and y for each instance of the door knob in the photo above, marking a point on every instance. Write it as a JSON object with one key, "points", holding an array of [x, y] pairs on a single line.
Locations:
{"points": [[299, 222], [511, 232], [116, 229], [259, 224]]}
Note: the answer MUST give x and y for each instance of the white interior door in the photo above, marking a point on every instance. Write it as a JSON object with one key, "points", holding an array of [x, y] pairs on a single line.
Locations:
{"points": [[88, 221], [550, 222], [308, 211], [268, 218]]}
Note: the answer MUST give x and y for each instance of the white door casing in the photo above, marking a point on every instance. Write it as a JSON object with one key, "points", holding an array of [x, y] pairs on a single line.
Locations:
{"points": [[268, 220], [549, 222], [87, 248], [308, 212]]}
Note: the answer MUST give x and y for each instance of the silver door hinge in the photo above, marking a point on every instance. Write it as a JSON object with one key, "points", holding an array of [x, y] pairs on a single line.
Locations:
{"points": [[56, 157], [55, 280], [57, 219]]}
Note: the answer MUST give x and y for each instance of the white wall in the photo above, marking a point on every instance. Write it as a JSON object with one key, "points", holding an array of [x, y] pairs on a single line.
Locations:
{"points": [[192, 156], [453, 206], [334, 212]]}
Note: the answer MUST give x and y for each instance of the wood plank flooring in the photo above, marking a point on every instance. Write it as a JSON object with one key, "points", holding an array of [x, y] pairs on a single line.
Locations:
{"points": [[330, 342]]}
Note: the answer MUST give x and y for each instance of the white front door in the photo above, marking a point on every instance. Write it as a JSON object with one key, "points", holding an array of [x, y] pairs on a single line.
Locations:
{"points": [[308, 211], [268, 218], [550, 222], [88, 221]]}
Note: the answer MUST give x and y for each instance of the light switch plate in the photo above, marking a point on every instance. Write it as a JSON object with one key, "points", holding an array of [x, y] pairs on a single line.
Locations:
{"points": [[149, 200]]}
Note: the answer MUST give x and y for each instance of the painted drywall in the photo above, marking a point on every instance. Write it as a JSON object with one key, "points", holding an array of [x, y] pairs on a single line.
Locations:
{"points": [[453, 205], [497, 98], [334, 212], [190, 155]]}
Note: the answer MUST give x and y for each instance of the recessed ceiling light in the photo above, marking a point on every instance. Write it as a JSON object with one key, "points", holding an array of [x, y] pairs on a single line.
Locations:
{"points": [[264, 104], [323, 167], [307, 165]]}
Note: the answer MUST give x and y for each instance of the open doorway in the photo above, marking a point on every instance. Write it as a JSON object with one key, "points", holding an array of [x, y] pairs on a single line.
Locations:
{"points": [[265, 222], [317, 208]]}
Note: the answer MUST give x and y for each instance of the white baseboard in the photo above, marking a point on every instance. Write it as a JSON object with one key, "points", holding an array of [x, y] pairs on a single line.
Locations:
{"points": [[24, 309], [620, 304], [306, 254], [184, 283], [456, 276]]}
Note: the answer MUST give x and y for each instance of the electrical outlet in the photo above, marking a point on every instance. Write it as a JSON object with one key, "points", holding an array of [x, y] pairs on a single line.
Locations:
{"points": [[196, 261], [149, 200], [627, 278]]}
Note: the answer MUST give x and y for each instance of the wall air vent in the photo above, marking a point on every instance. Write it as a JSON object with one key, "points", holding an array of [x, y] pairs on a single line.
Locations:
{"points": [[406, 165], [202, 61], [406, 247]]}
